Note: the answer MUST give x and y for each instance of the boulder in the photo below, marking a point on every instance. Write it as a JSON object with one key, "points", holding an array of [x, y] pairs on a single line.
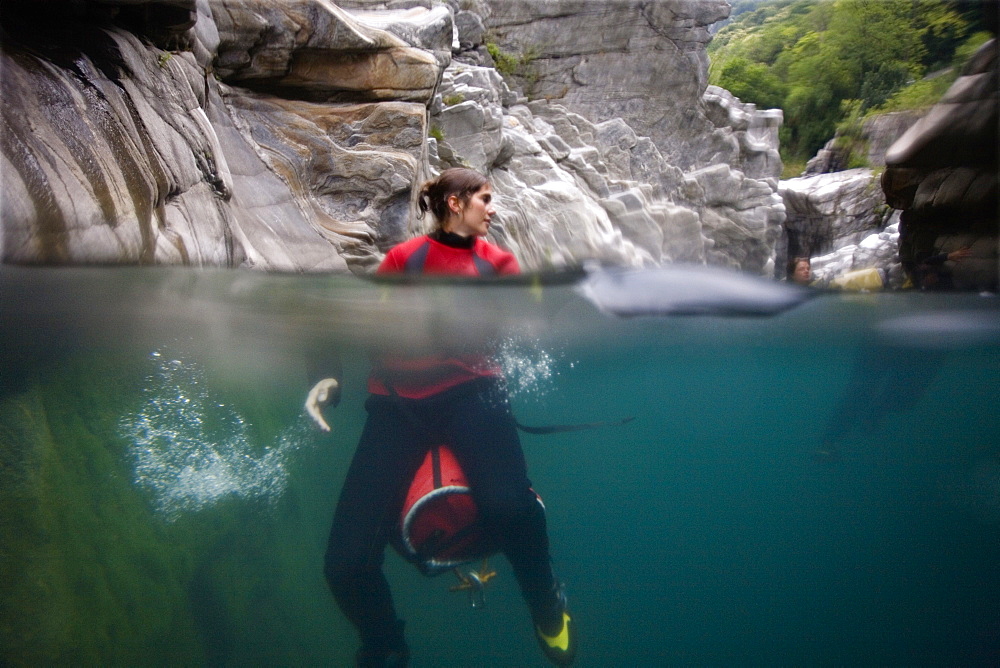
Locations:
{"points": [[942, 174], [828, 211], [317, 51]]}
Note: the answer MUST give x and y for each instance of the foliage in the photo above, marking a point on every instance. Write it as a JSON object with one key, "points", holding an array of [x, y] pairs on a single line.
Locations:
{"points": [[919, 94], [810, 56], [752, 81], [505, 63], [512, 65]]}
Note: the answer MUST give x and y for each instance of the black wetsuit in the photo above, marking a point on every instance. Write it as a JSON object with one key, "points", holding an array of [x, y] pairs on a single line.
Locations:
{"points": [[474, 418]]}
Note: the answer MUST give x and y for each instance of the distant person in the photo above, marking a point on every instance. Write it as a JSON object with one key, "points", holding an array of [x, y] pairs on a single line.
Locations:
{"points": [[416, 403], [800, 271], [933, 274]]}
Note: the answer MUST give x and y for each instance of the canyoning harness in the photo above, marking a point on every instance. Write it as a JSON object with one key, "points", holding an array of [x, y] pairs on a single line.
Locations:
{"points": [[417, 260]]}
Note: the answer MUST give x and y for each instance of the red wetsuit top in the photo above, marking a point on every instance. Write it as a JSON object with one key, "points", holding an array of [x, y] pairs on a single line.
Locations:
{"points": [[439, 253]]}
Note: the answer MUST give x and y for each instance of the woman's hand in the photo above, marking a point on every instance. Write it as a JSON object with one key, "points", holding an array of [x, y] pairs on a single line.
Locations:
{"points": [[960, 254], [322, 394]]}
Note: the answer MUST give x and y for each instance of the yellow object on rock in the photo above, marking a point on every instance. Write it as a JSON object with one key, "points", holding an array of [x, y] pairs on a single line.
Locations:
{"points": [[860, 280]]}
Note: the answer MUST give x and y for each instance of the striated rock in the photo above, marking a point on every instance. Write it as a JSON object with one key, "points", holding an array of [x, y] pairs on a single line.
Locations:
{"points": [[666, 216], [644, 62], [942, 173], [829, 211], [317, 51], [755, 133], [878, 250], [566, 189], [289, 136], [118, 152]]}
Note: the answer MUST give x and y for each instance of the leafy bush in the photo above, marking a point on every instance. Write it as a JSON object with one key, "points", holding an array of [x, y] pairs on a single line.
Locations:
{"points": [[810, 56]]}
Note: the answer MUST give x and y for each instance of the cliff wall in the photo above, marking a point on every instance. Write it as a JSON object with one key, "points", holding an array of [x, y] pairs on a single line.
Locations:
{"points": [[289, 135]]}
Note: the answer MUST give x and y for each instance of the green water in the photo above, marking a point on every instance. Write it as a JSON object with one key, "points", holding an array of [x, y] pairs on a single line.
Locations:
{"points": [[816, 487]]}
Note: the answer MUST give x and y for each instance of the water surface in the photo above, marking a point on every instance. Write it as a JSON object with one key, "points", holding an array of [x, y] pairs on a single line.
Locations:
{"points": [[820, 486]]}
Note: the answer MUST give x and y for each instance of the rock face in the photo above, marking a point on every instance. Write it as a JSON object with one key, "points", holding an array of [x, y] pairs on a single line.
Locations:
{"points": [[119, 151], [829, 211], [877, 134], [942, 174], [838, 216], [643, 62], [877, 250], [289, 135]]}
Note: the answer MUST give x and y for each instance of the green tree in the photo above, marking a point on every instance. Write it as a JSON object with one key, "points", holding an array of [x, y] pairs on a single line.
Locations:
{"points": [[879, 44], [810, 56], [752, 82]]}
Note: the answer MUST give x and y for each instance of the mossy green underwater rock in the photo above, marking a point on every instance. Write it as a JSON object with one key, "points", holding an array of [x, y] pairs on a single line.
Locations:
{"points": [[99, 569], [90, 575]]}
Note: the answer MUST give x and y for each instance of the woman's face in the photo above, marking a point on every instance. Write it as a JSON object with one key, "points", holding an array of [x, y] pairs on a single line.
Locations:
{"points": [[471, 218], [802, 273]]}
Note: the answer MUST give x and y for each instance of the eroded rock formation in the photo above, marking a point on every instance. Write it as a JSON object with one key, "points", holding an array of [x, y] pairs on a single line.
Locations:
{"points": [[119, 148], [289, 135]]}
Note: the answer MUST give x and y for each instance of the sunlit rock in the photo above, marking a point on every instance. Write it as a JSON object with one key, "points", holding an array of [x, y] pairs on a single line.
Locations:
{"points": [[289, 136], [140, 155], [644, 62], [878, 250]]}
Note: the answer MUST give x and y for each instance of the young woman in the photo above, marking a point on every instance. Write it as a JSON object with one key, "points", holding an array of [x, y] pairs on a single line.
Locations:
{"points": [[416, 403]]}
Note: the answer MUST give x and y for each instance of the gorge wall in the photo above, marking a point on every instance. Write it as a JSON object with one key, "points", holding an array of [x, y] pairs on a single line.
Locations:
{"points": [[289, 135]]}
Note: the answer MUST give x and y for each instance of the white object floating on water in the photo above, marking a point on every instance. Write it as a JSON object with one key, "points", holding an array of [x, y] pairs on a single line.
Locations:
{"points": [[687, 290]]}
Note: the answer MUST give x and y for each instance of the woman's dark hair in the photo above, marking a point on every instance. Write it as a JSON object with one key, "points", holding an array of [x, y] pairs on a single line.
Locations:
{"points": [[457, 181]]}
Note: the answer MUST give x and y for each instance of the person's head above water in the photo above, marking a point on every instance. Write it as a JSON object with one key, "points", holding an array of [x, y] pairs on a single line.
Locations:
{"points": [[800, 270], [460, 200]]}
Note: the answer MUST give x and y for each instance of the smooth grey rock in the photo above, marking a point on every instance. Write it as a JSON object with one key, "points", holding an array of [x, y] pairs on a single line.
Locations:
{"points": [[318, 51], [827, 211], [165, 165], [643, 62], [878, 250], [289, 136]]}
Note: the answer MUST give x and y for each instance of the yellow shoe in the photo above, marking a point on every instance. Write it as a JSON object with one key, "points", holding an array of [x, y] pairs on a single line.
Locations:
{"points": [[560, 648]]}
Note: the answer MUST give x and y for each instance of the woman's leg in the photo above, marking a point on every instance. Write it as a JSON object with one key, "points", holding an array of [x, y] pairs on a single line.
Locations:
{"points": [[486, 443], [386, 458]]}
